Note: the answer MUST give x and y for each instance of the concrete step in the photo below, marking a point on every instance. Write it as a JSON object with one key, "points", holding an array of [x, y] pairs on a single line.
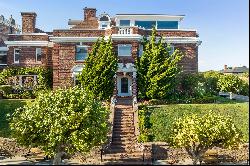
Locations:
{"points": [[129, 135], [122, 157], [125, 128], [123, 139], [122, 132]]}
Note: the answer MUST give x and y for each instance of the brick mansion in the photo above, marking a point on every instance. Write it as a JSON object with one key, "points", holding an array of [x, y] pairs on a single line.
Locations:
{"points": [[65, 50]]}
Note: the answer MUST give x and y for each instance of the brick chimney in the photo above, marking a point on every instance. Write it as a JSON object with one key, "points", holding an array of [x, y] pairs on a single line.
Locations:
{"points": [[225, 67], [89, 13], [28, 22]]}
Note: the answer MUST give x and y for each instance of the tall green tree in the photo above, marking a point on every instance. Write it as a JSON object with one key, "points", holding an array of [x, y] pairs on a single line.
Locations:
{"points": [[62, 121], [157, 68], [100, 68]]}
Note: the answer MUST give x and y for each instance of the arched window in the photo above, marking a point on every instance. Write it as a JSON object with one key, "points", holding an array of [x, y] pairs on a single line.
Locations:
{"points": [[76, 70]]}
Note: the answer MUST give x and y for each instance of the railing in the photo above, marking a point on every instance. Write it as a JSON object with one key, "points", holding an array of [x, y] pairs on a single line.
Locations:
{"points": [[125, 30]]}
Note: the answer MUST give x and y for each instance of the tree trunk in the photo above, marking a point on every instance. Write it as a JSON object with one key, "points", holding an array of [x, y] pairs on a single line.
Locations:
{"points": [[58, 158]]}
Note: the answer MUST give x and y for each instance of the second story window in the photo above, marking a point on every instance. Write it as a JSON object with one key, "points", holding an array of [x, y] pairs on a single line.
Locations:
{"points": [[38, 54], [3, 57], [124, 49], [124, 22], [16, 55], [167, 24], [81, 53], [145, 24]]}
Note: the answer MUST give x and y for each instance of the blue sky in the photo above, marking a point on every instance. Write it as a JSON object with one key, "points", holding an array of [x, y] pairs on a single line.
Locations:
{"points": [[223, 25]]}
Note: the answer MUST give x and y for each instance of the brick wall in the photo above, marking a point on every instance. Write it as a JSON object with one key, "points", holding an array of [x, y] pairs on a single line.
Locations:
{"points": [[190, 59], [28, 57], [176, 33], [28, 38], [78, 33], [63, 58]]}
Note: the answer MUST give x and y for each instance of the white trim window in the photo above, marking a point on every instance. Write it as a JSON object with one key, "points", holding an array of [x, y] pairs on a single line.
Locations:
{"points": [[38, 54], [3, 57], [81, 53], [16, 55], [124, 49]]}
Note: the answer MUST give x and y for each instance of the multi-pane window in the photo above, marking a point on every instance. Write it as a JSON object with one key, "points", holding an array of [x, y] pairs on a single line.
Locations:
{"points": [[16, 55], [3, 57], [38, 54], [145, 24], [124, 49], [167, 24], [81, 53], [124, 22]]}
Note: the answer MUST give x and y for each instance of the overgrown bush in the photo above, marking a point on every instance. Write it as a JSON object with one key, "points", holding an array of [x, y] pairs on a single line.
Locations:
{"points": [[44, 75], [6, 89], [144, 124], [62, 121], [232, 83], [27, 90], [198, 134]]}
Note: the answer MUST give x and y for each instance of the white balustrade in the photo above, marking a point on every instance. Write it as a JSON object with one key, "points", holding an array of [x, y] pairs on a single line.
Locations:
{"points": [[125, 31]]}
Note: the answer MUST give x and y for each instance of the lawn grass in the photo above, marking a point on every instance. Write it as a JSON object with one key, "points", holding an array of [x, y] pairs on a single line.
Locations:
{"points": [[8, 106], [161, 117]]}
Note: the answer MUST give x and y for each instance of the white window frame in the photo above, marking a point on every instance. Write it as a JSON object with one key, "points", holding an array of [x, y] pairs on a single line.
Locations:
{"points": [[37, 52], [81, 46], [15, 55], [3, 54], [120, 45]]}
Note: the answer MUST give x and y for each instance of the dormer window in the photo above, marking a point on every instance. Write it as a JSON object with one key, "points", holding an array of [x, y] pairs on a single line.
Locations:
{"points": [[104, 21]]}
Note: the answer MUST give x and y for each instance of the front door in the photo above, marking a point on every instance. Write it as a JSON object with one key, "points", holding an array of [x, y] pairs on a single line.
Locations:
{"points": [[124, 86]]}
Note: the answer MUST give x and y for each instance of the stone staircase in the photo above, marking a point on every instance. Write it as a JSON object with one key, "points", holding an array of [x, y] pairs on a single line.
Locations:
{"points": [[124, 148]]}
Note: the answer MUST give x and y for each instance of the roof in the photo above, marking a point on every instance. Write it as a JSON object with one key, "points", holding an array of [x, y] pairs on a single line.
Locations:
{"points": [[242, 69], [150, 17]]}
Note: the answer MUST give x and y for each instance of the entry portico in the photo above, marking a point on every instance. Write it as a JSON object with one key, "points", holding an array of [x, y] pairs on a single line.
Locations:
{"points": [[125, 80]]}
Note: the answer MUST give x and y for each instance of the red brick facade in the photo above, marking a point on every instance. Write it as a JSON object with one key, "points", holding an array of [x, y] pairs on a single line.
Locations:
{"points": [[60, 53]]}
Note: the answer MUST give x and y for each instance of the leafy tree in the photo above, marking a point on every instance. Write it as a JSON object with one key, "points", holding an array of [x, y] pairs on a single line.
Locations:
{"points": [[232, 83], [157, 69], [64, 121], [211, 81], [198, 134], [100, 68]]}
